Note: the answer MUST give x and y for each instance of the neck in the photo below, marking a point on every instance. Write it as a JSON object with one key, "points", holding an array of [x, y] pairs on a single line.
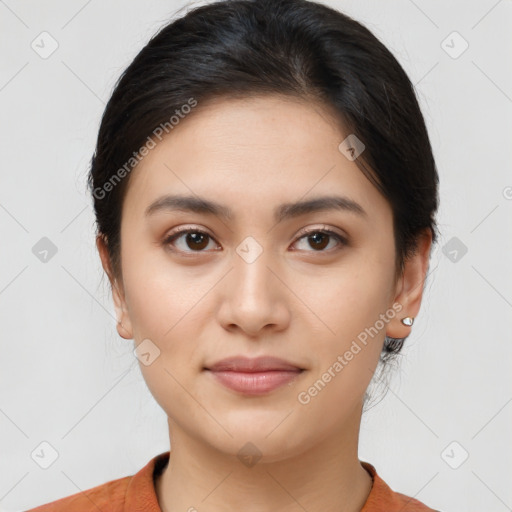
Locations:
{"points": [[327, 476]]}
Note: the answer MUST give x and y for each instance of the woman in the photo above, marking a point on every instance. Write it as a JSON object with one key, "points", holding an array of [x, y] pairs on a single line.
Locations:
{"points": [[265, 195]]}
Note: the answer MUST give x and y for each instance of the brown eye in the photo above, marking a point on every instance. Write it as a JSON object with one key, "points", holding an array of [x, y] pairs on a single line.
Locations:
{"points": [[189, 240], [319, 239]]}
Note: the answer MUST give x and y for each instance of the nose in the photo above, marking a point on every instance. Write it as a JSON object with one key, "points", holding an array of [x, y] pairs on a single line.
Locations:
{"points": [[255, 296]]}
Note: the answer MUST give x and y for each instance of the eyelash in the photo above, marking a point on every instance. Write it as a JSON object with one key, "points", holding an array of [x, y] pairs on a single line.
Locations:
{"points": [[303, 234]]}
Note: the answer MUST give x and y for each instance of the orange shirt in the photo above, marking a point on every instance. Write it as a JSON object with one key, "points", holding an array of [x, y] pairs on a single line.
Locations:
{"points": [[137, 494]]}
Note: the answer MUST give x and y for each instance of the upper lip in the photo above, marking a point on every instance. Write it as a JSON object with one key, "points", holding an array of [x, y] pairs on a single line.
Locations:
{"points": [[257, 364]]}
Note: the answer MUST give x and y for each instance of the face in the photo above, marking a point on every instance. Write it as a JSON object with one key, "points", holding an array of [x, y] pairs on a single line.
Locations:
{"points": [[302, 286]]}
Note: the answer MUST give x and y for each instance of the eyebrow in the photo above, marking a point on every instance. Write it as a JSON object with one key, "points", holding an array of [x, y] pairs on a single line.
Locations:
{"points": [[284, 211]]}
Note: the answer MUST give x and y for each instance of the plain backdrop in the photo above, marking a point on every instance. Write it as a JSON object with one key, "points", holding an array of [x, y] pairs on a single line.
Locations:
{"points": [[443, 431]]}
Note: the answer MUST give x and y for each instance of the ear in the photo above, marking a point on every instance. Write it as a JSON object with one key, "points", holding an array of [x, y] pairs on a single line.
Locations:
{"points": [[409, 287], [124, 325]]}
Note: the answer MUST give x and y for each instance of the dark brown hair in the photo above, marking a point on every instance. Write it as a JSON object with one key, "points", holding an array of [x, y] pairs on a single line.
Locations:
{"points": [[240, 48]]}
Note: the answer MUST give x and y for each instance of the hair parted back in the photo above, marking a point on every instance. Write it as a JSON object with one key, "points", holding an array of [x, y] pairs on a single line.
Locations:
{"points": [[299, 48]]}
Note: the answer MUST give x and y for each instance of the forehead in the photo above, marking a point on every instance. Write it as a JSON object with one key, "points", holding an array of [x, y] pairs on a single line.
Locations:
{"points": [[252, 154]]}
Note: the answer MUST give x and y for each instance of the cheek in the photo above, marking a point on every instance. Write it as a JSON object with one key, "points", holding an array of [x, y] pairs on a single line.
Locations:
{"points": [[159, 295], [167, 305], [346, 353], [163, 308], [350, 299], [349, 339]]}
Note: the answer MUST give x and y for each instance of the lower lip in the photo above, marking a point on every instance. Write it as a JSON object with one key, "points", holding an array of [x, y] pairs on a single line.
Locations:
{"points": [[255, 383]]}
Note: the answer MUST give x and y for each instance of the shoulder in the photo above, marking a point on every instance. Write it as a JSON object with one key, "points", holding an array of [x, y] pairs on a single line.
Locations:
{"points": [[136, 492], [111, 494], [382, 497]]}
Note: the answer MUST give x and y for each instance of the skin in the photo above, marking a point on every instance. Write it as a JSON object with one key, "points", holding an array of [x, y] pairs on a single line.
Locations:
{"points": [[295, 301]]}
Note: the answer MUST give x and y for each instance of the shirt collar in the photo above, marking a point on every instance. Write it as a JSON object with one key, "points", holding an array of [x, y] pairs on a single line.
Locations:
{"points": [[141, 494]]}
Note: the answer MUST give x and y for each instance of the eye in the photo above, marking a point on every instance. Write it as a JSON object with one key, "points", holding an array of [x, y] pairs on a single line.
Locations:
{"points": [[192, 238], [197, 240], [318, 239]]}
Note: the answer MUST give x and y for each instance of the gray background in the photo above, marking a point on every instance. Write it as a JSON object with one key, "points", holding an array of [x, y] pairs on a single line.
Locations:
{"points": [[67, 379]]}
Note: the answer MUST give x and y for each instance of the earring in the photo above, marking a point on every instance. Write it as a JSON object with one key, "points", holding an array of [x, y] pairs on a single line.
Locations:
{"points": [[408, 321]]}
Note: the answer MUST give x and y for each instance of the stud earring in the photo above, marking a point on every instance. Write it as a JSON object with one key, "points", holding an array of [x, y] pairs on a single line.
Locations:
{"points": [[408, 321]]}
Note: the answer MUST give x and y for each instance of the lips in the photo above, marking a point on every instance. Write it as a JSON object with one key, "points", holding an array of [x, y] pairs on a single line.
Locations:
{"points": [[255, 377], [253, 365]]}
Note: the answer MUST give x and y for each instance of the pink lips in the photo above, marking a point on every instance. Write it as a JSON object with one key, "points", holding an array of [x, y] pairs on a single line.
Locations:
{"points": [[254, 376]]}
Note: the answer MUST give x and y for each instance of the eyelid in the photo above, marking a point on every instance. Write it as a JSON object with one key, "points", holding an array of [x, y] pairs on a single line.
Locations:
{"points": [[183, 230], [186, 229], [323, 227], [177, 232]]}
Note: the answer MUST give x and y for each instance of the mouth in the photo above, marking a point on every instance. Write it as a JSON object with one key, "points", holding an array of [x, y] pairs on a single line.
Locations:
{"points": [[255, 383], [253, 365], [257, 376]]}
